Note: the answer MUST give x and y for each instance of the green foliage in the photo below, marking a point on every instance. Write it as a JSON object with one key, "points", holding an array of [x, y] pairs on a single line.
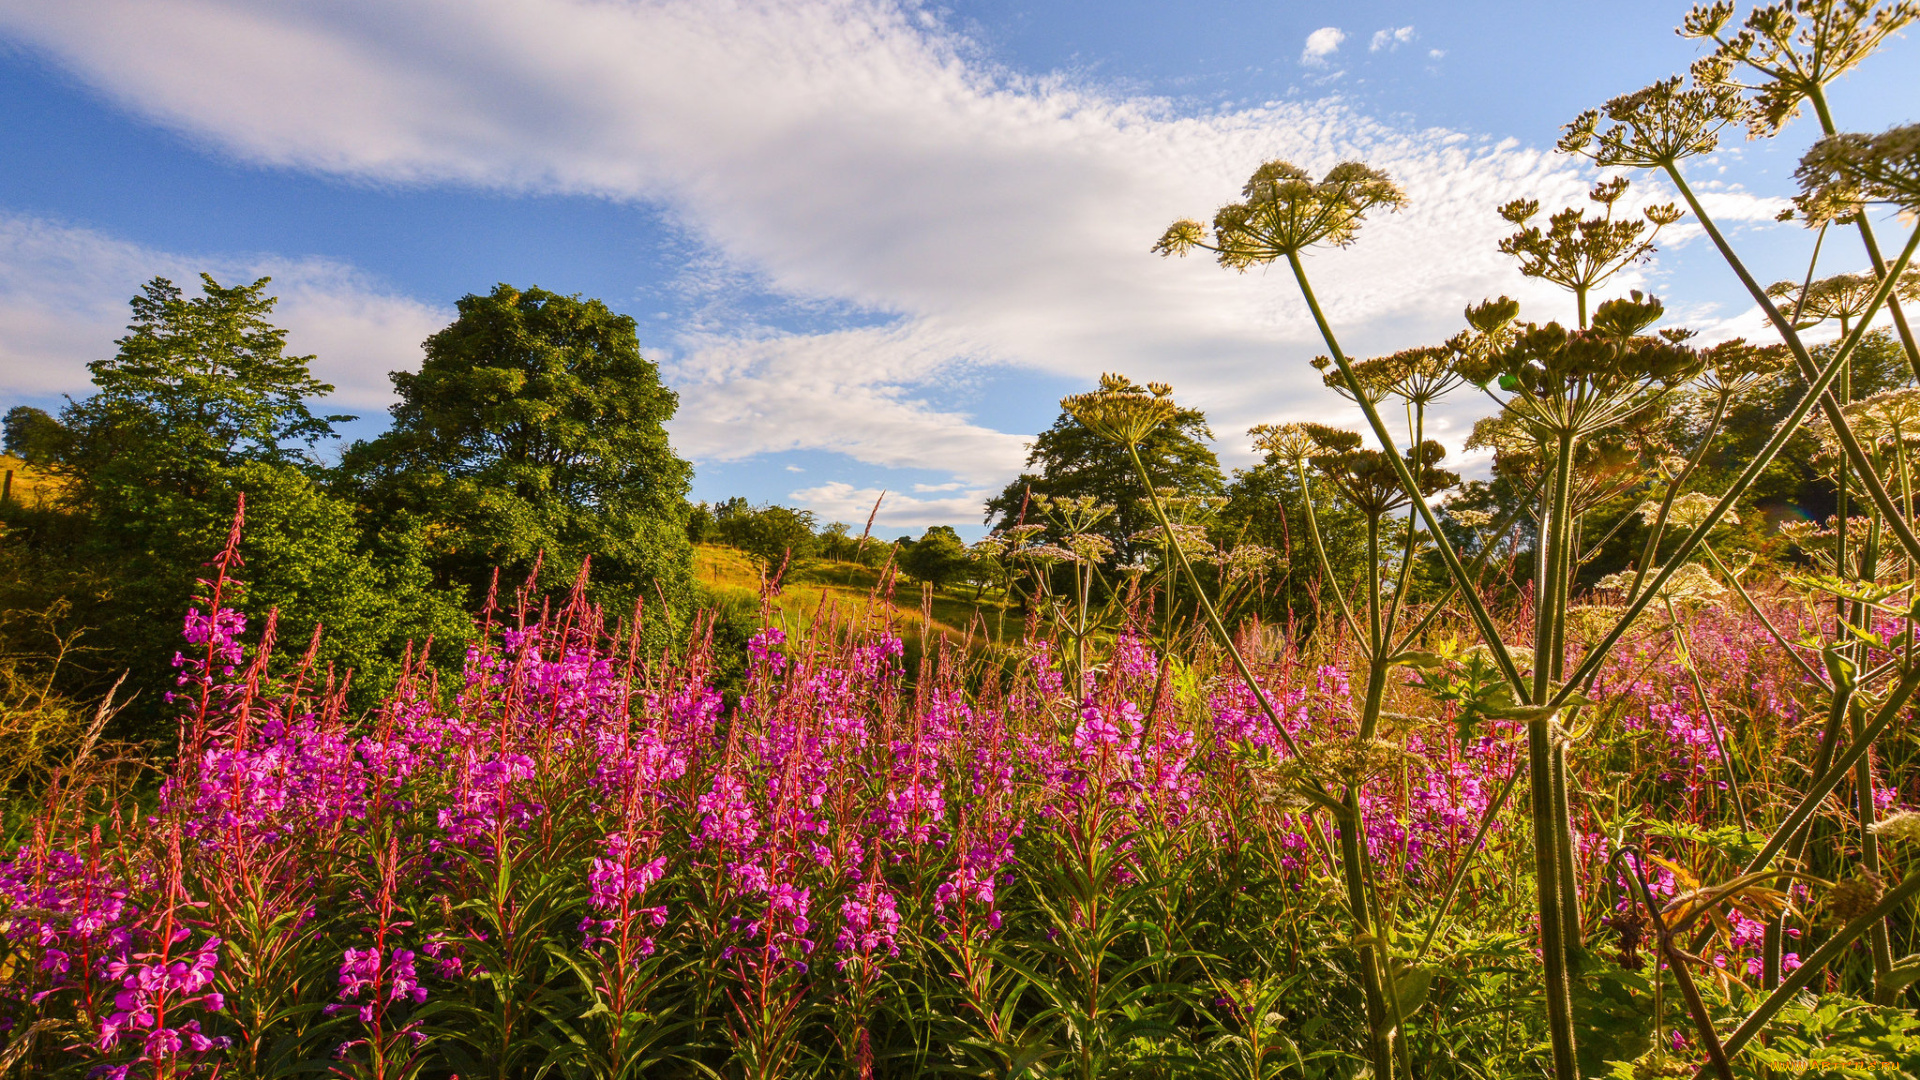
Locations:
{"points": [[938, 558], [200, 406], [1069, 461], [32, 435], [771, 534], [198, 385], [304, 558], [533, 433], [1840, 1036]]}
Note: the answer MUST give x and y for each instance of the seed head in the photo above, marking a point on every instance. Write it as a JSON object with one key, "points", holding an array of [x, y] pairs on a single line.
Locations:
{"points": [[1734, 366], [1121, 412], [1687, 511], [1418, 375], [1794, 49], [1580, 253], [1471, 519], [1656, 126], [1901, 827], [1842, 173], [1855, 896], [1290, 443], [1367, 478], [1842, 296], [1691, 584], [1285, 212]]}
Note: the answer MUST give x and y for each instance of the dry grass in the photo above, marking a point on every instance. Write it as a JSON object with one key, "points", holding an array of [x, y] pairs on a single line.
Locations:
{"points": [[31, 487], [825, 589]]}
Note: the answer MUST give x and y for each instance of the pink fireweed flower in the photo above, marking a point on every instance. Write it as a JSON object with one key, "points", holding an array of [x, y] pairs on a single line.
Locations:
{"points": [[778, 937], [615, 879], [485, 796], [614, 884], [153, 986], [764, 648], [869, 923], [728, 818], [368, 985], [222, 631]]}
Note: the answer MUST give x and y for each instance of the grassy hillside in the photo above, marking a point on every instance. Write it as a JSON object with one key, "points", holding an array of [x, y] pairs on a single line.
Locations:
{"points": [[842, 591], [30, 487]]}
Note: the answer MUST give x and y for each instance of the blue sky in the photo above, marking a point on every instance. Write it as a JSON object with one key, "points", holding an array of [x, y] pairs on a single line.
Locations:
{"points": [[870, 243]]}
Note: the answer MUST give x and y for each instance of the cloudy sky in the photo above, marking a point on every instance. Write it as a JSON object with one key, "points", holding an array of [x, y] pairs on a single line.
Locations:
{"points": [[869, 243]]}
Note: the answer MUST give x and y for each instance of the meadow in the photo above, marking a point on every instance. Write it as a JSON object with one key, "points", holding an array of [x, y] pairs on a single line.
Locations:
{"points": [[1602, 765]]}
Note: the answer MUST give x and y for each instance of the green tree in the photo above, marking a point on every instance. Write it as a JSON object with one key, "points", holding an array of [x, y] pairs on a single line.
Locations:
{"points": [[938, 558], [1264, 506], [34, 436], [1068, 461], [198, 385], [200, 405], [836, 540], [771, 534], [534, 429]]}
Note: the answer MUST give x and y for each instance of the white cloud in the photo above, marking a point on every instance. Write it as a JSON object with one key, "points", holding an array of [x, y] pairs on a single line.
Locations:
{"points": [[847, 391], [843, 502], [841, 152], [1321, 44], [1742, 206], [64, 293], [1390, 38]]}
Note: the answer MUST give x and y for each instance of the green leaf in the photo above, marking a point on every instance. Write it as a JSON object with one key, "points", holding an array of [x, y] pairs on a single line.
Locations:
{"points": [[1411, 987]]}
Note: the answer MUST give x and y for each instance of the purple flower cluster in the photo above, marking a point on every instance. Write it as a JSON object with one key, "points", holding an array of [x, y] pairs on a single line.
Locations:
{"points": [[373, 978], [839, 812]]}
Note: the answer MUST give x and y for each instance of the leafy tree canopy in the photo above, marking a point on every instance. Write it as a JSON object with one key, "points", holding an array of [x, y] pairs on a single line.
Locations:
{"points": [[939, 557], [201, 405], [198, 384], [771, 534], [534, 428], [1068, 461]]}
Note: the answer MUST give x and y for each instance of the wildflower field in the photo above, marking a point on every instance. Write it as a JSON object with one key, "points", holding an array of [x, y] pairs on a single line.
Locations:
{"points": [[1601, 767]]}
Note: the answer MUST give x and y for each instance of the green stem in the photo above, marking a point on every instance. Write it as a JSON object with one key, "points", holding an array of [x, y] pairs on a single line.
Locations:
{"points": [[1539, 737], [1818, 96], [1880, 946], [1352, 841], [1816, 392], [1488, 630], [1419, 426], [1546, 873], [1841, 430], [1375, 640], [1824, 955], [1550, 609], [1775, 941]]}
